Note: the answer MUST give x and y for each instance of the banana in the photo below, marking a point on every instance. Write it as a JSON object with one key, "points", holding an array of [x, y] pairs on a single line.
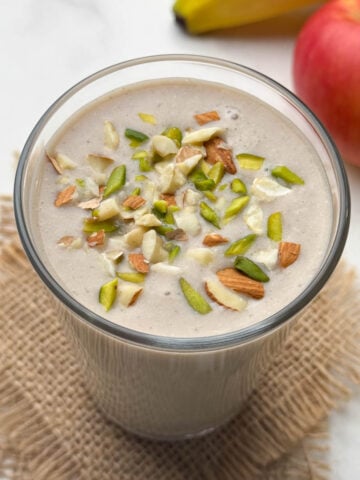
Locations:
{"points": [[199, 16]]}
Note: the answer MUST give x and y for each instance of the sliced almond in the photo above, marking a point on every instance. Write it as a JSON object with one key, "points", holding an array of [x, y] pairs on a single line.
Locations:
{"points": [[218, 151], [54, 163], [202, 135], [288, 253], [213, 239], [138, 262], [178, 234], [169, 199], [65, 196], [111, 137], [164, 146], [165, 268], [254, 217], [134, 202], [238, 282], [99, 163], [152, 247], [65, 162], [265, 189], [188, 220], [189, 164], [128, 294], [191, 197], [148, 220], [185, 152], [90, 204], [171, 179], [202, 255], [69, 241], [133, 239], [107, 209], [206, 117], [96, 239], [223, 296]]}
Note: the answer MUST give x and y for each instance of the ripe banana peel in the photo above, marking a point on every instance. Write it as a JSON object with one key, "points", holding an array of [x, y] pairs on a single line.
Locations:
{"points": [[199, 16]]}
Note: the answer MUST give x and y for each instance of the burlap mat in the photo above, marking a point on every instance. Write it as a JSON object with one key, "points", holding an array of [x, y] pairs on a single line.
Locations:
{"points": [[50, 428]]}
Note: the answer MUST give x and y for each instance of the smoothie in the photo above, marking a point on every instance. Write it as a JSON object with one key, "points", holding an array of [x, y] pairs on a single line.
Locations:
{"points": [[182, 208]]}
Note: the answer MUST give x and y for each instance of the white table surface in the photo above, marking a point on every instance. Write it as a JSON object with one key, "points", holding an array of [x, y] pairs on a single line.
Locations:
{"points": [[47, 46]]}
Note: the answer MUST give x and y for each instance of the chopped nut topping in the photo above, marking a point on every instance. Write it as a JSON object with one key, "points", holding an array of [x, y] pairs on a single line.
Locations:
{"points": [[238, 282], [169, 199], [65, 196], [90, 204], [213, 239], [187, 151], [54, 163], [111, 137], [288, 253], [178, 234], [138, 262], [218, 151], [66, 241], [134, 202], [203, 118], [96, 239]]}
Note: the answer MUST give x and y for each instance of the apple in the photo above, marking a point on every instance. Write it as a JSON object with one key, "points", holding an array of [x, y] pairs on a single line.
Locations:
{"points": [[327, 72]]}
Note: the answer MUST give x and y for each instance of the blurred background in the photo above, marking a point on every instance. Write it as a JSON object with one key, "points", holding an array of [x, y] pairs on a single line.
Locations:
{"points": [[47, 46]]}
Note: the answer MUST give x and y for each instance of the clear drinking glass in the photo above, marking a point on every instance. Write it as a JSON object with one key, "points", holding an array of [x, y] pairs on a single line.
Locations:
{"points": [[157, 386]]}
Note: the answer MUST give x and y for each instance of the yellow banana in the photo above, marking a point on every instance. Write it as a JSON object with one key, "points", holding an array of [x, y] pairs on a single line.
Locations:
{"points": [[201, 16]]}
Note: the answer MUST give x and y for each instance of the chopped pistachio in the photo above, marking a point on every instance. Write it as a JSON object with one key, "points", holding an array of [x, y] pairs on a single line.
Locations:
{"points": [[136, 191], [160, 206], [250, 269], [209, 214], [147, 118], [210, 196], [145, 165], [216, 172], [205, 166], [201, 181], [107, 294], [111, 137], [274, 227], [194, 299], [169, 218], [236, 206], [140, 178], [174, 133], [174, 252], [133, 277], [80, 182], [249, 161], [238, 186], [91, 225], [287, 175], [223, 187], [241, 246], [173, 208], [163, 229], [116, 180], [137, 138], [140, 154]]}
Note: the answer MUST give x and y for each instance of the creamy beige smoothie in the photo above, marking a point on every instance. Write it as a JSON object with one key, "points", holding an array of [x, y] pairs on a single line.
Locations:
{"points": [[181, 209]]}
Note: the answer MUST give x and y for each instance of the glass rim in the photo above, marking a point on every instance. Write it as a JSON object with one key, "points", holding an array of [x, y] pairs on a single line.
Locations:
{"points": [[228, 339]]}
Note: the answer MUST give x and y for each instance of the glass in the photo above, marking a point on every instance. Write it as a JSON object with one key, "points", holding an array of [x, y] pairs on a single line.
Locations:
{"points": [[157, 386]]}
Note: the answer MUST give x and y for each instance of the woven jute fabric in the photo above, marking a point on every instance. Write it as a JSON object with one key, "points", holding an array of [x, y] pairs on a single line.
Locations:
{"points": [[50, 428]]}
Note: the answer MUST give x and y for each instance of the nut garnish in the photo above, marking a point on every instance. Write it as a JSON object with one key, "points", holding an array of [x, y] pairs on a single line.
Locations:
{"points": [[99, 163], [111, 137], [69, 241], [223, 296], [206, 117], [96, 239], [178, 234], [169, 199], [90, 204], [185, 152], [238, 282], [138, 262], [218, 151], [194, 299], [213, 239], [288, 253], [134, 202], [107, 294], [65, 196], [128, 294], [54, 163]]}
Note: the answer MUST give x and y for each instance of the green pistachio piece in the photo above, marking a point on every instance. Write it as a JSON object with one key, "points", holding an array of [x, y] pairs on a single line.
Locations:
{"points": [[160, 206], [249, 161], [163, 229], [250, 269], [140, 154], [238, 186], [204, 166], [133, 277], [140, 178], [216, 172], [236, 206], [137, 138], [209, 214], [201, 181], [175, 134], [174, 252], [274, 227], [287, 175], [80, 182], [169, 218], [223, 187], [147, 118], [91, 226], [194, 299], [210, 196], [241, 246], [145, 165], [107, 294], [116, 180], [136, 191], [173, 208]]}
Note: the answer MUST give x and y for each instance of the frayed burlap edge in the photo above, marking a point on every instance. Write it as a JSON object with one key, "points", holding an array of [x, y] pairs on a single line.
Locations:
{"points": [[29, 450]]}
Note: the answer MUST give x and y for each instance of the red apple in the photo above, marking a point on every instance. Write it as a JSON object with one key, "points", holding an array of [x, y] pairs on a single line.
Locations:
{"points": [[327, 72]]}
